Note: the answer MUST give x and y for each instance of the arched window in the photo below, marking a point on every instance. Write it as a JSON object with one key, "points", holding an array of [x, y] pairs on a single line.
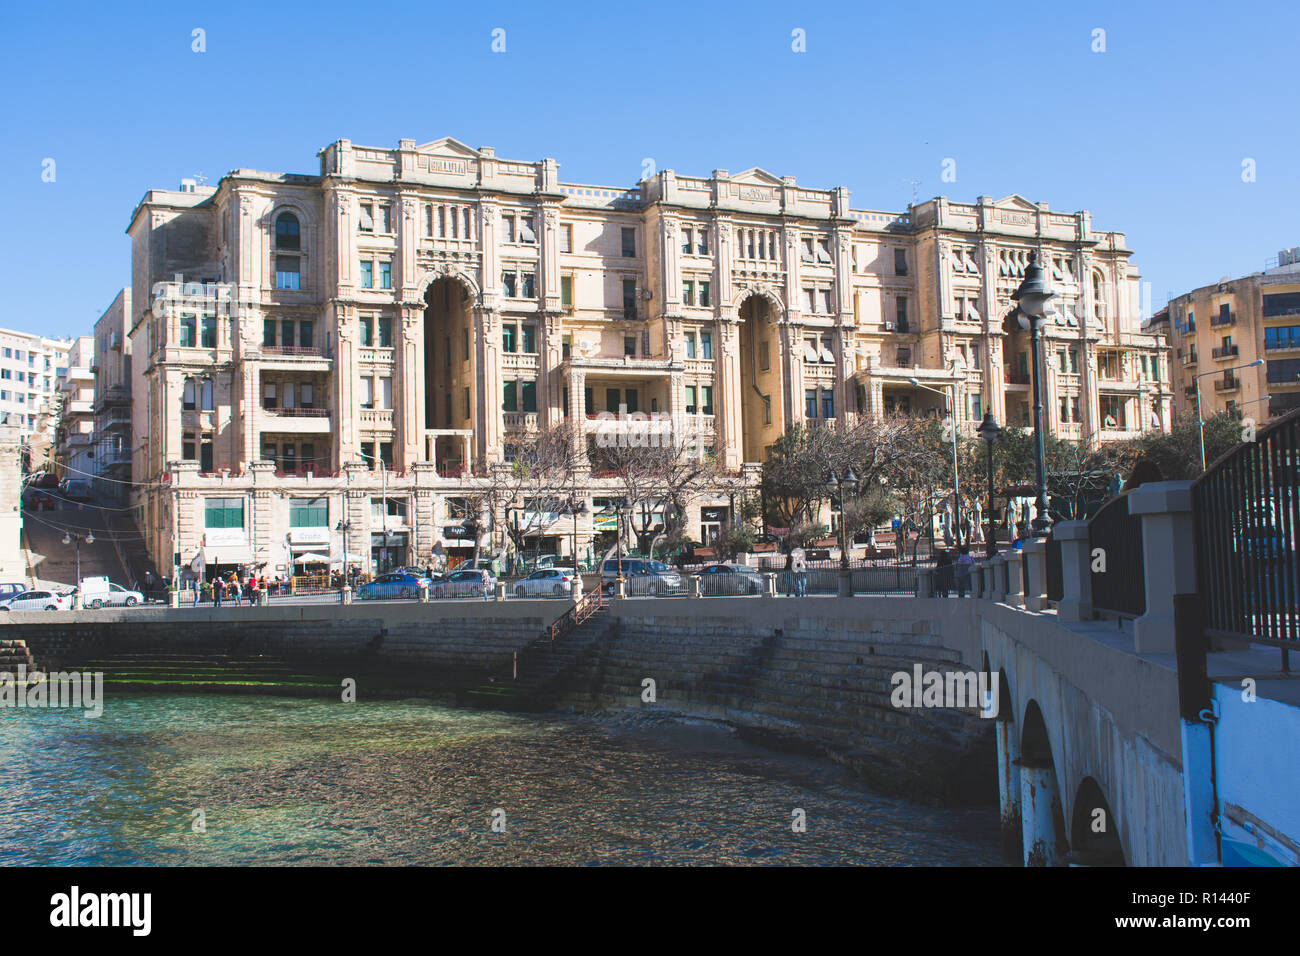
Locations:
{"points": [[1098, 295], [286, 231]]}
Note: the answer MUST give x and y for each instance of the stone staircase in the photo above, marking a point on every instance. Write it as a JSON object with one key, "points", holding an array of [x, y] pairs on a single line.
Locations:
{"points": [[15, 654], [541, 670], [227, 673]]}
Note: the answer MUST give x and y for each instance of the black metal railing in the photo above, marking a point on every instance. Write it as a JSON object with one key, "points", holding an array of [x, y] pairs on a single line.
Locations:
{"points": [[1246, 508], [1055, 578], [1115, 556]]}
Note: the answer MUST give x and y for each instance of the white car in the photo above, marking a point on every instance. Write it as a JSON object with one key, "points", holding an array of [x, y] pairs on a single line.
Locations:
{"points": [[547, 581], [115, 596], [38, 601]]}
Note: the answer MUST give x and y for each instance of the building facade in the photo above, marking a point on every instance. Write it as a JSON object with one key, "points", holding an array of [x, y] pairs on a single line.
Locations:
{"points": [[1217, 331], [75, 432], [30, 366], [112, 370], [344, 348]]}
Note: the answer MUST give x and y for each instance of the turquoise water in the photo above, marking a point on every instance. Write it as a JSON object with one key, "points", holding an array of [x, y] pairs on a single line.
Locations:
{"points": [[289, 781]]}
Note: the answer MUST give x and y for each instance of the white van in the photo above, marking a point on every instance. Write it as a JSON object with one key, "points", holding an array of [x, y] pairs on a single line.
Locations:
{"points": [[100, 592]]}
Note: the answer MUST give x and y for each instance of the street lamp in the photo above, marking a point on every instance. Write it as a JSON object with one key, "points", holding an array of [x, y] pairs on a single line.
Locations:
{"points": [[1196, 384], [836, 485], [1032, 301], [956, 494], [989, 431], [68, 538], [344, 526]]}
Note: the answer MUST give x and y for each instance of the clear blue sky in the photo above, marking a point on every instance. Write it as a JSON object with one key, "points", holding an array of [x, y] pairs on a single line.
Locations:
{"points": [[1149, 135]]}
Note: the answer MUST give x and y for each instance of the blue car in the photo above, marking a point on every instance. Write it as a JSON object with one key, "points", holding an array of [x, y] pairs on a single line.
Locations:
{"points": [[393, 585]]}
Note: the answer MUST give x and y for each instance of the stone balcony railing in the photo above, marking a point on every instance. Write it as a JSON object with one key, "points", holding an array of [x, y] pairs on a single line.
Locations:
{"points": [[375, 417]]}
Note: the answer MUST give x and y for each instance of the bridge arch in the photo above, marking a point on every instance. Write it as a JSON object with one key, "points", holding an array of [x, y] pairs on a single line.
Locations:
{"points": [[1094, 831], [1041, 814]]}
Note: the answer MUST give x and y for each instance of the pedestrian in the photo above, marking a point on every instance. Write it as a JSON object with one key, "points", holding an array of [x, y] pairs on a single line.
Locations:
{"points": [[235, 588], [218, 591], [799, 565], [964, 565], [943, 572], [789, 574]]}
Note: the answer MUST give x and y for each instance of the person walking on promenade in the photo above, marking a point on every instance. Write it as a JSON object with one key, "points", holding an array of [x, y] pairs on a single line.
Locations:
{"points": [[964, 565], [943, 572], [198, 590], [789, 574], [799, 565], [218, 591], [234, 589]]}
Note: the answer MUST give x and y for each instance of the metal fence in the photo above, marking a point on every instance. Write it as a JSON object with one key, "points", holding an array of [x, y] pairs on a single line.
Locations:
{"points": [[885, 579], [1246, 509], [1115, 554]]}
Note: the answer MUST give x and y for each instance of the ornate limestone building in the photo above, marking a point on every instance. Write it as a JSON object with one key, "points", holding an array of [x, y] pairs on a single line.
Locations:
{"points": [[313, 350]]}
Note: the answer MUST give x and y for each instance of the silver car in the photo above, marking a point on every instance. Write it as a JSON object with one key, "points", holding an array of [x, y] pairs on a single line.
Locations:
{"points": [[115, 596]]}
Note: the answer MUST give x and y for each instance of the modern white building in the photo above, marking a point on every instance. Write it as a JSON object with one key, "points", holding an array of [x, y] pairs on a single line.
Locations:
{"points": [[30, 366]]}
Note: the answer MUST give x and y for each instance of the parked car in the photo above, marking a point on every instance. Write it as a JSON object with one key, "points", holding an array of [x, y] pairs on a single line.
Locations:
{"points": [[547, 581], [74, 489], [403, 583], [730, 579], [37, 601], [651, 577], [11, 590], [473, 583], [100, 592]]}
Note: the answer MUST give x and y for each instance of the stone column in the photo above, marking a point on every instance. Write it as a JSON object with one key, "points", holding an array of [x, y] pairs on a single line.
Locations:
{"points": [[1009, 787], [729, 393], [1038, 794], [977, 581], [1036, 563], [1076, 571], [1015, 595], [997, 566], [1169, 557]]}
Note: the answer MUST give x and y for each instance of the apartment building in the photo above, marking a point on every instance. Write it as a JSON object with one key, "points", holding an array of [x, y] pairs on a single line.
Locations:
{"points": [[29, 369], [112, 371], [339, 351], [1220, 331], [75, 432]]}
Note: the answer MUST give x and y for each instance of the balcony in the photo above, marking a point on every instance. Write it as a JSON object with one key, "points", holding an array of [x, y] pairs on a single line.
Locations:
{"points": [[294, 356], [312, 421], [375, 417], [1014, 377], [519, 421], [1229, 383], [1223, 319], [1192, 358], [519, 360], [1225, 351]]}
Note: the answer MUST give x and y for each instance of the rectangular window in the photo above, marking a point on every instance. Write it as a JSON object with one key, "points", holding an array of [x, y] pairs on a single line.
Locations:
{"points": [[508, 337], [269, 400], [629, 298], [687, 246], [510, 397], [702, 244], [826, 302], [386, 274], [612, 399], [705, 298], [688, 292], [1074, 358], [367, 331], [367, 274], [529, 290], [508, 228], [209, 332], [767, 409], [528, 396], [187, 447], [900, 262], [305, 328], [690, 400], [690, 345], [308, 512], [902, 313], [508, 284], [566, 292], [188, 394], [632, 399], [367, 219], [386, 218], [629, 345], [268, 333], [366, 392], [566, 238], [828, 403], [286, 272], [306, 395], [706, 345], [706, 399], [526, 233], [810, 403], [976, 412], [629, 242], [189, 331], [385, 332], [223, 512], [205, 455], [530, 339], [386, 392]]}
